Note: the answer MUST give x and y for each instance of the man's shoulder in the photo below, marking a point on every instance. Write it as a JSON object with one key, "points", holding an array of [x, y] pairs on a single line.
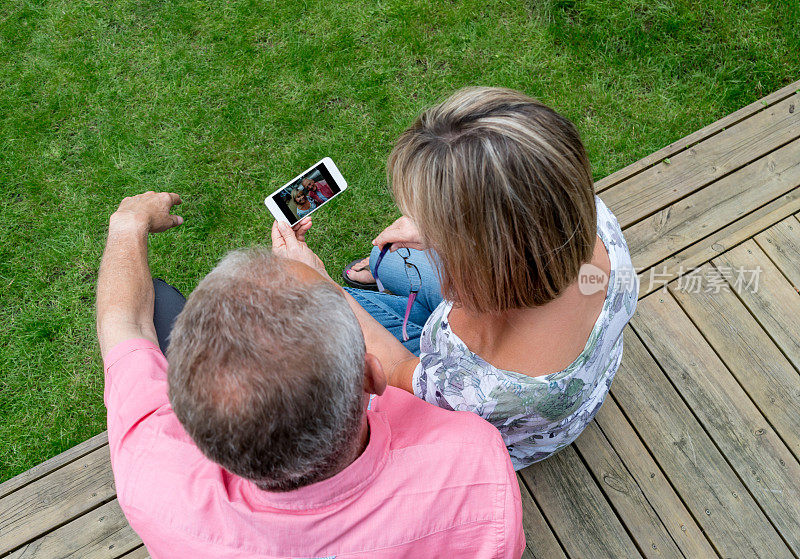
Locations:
{"points": [[414, 422], [452, 464]]}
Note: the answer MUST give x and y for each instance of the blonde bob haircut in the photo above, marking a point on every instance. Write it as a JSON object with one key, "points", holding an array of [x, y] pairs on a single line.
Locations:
{"points": [[500, 187]]}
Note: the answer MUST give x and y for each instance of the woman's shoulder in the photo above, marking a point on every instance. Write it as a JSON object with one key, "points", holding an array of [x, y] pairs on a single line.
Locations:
{"points": [[610, 232], [608, 226]]}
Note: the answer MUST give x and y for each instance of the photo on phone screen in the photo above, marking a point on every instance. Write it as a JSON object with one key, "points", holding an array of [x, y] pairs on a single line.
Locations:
{"points": [[306, 193]]}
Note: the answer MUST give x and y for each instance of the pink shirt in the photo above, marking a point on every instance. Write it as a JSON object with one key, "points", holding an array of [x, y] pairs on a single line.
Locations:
{"points": [[323, 187], [430, 483]]}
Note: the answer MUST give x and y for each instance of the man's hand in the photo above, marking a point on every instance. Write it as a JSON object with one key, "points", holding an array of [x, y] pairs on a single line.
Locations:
{"points": [[290, 243], [149, 211], [124, 285]]}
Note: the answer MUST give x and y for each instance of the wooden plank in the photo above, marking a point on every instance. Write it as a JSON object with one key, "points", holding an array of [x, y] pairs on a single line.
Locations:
{"points": [[688, 141], [775, 303], [55, 499], [689, 220], [652, 481], [711, 491], [53, 464], [691, 170], [141, 553], [749, 354], [622, 491], [781, 243], [100, 534], [526, 554], [752, 448], [718, 242], [575, 507], [542, 543]]}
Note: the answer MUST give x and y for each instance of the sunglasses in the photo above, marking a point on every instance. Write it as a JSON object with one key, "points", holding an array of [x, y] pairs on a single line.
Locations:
{"points": [[413, 275]]}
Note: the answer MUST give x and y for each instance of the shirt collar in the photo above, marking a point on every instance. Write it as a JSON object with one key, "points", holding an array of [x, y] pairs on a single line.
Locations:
{"points": [[351, 481]]}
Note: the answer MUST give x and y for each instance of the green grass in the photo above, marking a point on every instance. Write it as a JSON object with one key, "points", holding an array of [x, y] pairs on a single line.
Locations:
{"points": [[224, 101]]}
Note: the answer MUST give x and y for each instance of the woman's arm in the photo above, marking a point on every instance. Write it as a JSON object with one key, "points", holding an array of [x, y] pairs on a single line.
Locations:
{"points": [[402, 233], [398, 363]]}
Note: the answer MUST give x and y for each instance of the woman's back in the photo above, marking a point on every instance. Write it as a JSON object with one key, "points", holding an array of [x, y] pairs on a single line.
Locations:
{"points": [[524, 377], [553, 334], [500, 189]]}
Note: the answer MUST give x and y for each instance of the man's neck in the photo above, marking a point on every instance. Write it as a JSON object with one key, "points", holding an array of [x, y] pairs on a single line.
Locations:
{"points": [[359, 448]]}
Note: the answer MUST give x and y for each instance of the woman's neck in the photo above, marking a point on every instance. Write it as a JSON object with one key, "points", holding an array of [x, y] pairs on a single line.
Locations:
{"points": [[538, 340]]}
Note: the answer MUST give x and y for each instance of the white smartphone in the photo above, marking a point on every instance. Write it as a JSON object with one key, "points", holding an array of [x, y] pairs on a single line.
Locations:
{"points": [[305, 193]]}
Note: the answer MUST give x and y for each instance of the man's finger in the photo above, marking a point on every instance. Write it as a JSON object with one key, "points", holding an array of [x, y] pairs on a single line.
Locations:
{"points": [[300, 232], [287, 233], [300, 224], [175, 199], [277, 238], [164, 222]]}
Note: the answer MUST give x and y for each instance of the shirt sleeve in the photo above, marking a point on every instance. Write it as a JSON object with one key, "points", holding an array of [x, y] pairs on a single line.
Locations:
{"points": [[135, 389]]}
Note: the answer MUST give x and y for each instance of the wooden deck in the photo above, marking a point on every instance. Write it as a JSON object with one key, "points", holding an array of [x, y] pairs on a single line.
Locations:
{"points": [[694, 454]]}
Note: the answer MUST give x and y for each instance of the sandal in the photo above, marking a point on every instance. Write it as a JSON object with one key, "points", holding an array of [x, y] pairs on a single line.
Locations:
{"points": [[357, 284]]}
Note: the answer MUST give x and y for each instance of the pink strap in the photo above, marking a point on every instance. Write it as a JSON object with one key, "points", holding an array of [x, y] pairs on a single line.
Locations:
{"points": [[411, 297]]}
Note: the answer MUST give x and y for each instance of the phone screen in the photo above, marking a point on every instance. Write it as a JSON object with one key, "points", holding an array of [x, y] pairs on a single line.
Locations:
{"points": [[306, 193]]}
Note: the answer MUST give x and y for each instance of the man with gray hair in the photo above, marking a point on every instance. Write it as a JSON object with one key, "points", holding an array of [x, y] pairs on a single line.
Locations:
{"points": [[271, 432]]}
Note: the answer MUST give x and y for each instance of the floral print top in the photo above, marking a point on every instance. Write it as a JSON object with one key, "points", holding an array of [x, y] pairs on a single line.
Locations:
{"points": [[537, 416]]}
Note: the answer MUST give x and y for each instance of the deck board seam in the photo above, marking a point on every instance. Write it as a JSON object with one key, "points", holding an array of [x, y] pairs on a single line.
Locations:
{"points": [[522, 479], [643, 492], [611, 502], [774, 263], [791, 89], [700, 240], [709, 183], [750, 311], [711, 438], [129, 552], [736, 380], [61, 524], [661, 469], [48, 472]]}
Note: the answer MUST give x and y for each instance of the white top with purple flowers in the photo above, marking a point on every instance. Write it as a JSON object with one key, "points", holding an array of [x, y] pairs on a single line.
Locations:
{"points": [[537, 416]]}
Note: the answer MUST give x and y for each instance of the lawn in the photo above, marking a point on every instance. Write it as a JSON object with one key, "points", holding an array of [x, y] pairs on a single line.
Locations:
{"points": [[222, 102]]}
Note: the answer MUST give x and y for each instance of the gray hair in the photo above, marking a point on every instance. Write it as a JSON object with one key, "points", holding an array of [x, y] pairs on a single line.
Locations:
{"points": [[266, 375]]}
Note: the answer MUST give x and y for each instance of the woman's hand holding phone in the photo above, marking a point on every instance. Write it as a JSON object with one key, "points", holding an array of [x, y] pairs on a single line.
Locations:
{"points": [[402, 233]]}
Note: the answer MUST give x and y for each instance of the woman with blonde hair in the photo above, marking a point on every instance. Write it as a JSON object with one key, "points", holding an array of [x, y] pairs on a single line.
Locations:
{"points": [[523, 279], [305, 205]]}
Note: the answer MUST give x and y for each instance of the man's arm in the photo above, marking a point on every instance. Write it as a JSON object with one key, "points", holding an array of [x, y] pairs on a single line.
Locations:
{"points": [[124, 285], [397, 361]]}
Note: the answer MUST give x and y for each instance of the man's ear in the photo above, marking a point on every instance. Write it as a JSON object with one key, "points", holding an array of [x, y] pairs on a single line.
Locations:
{"points": [[374, 377]]}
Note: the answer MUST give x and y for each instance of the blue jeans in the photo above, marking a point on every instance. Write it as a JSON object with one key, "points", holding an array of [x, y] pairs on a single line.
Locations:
{"points": [[389, 309]]}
